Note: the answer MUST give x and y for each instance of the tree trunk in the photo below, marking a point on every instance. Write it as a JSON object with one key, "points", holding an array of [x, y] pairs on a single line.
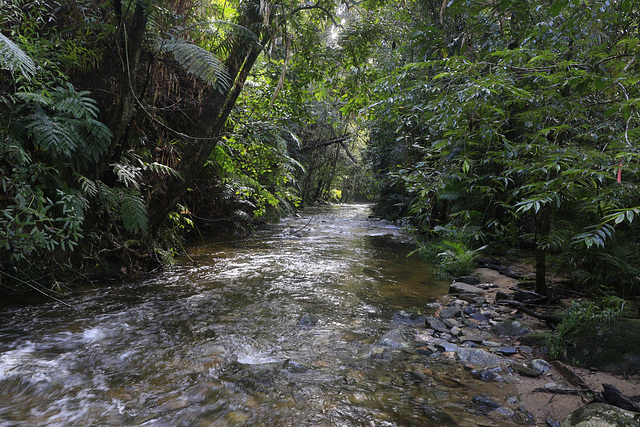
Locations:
{"points": [[543, 228], [129, 42], [211, 122]]}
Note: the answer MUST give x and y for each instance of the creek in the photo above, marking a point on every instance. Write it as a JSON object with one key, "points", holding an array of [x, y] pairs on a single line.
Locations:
{"points": [[280, 327]]}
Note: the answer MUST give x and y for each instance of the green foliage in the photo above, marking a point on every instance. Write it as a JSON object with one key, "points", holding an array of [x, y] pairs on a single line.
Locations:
{"points": [[579, 315], [515, 128], [14, 59], [200, 62]]}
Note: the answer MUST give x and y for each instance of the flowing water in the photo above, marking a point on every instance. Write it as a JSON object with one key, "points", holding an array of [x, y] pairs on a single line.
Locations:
{"points": [[278, 328]]}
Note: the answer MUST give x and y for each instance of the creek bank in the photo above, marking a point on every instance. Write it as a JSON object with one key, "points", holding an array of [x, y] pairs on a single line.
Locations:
{"points": [[496, 343]]}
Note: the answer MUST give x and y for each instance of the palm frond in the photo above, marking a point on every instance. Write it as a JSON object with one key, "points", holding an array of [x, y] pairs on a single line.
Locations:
{"points": [[201, 63], [14, 59]]}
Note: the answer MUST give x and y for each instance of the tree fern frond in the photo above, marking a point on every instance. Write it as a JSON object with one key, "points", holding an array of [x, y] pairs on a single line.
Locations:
{"points": [[96, 136], [110, 197], [77, 104], [161, 169], [128, 174], [52, 133], [87, 186], [201, 63], [33, 97], [134, 214], [14, 59]]}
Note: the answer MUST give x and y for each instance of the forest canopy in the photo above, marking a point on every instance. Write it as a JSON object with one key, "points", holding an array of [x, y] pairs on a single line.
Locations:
{"points": [[492, 127]]}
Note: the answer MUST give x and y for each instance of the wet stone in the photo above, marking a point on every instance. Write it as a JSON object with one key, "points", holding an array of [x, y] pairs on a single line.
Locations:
{"points": [[308, 320], [506, 351], [436, 324], [478, 357], [437, 415], [408, 318], [494, 374], [472, 338], [450, 312], [394, 338], [485, 401], [463, 288]]}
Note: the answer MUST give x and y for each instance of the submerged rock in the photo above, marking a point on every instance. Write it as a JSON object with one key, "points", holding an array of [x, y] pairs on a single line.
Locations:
{"points": [[438, 416], [601, 415], [395, 338], [308, 320]]}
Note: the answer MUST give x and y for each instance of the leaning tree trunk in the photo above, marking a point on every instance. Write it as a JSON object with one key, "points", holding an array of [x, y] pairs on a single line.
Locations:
{"points": [[211, 122]]}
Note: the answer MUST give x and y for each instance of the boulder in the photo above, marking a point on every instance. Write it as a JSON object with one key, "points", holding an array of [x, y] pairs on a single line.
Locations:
{"points": [[463, 288], [600, 415], [469, 280], [610, 346], [510, 328]]}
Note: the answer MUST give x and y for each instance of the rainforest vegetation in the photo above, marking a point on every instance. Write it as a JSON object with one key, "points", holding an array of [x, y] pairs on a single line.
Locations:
{"points": [[492, 127]]}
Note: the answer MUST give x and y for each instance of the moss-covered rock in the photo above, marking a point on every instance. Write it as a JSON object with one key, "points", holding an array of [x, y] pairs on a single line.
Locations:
{"points": [[610, 346], [600, 415]]}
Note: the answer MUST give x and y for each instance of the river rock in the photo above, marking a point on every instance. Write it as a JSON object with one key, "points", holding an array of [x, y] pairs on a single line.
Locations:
{"points": [[541, 366], [438, 416], [478, 357], [408, 318], [485, 401], [395, 338], [450, 312], [600, 415], [436, 324], [510, 328], [308, 320], [525, 370], [469, 280], [463, 288]]}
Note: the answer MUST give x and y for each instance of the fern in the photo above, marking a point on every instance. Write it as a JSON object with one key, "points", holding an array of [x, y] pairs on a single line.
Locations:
{"points": [[134, 214], [14, 59], [161, 169], [201, 63], [77, 104], [128, 174], [51, 134]]}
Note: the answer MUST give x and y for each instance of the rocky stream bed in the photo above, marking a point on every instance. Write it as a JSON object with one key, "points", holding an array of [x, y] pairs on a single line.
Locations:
{"points": [[499, 345]]}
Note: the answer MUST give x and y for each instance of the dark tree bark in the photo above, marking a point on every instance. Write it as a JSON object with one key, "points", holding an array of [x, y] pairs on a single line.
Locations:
{"points": [[543, 228]]}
